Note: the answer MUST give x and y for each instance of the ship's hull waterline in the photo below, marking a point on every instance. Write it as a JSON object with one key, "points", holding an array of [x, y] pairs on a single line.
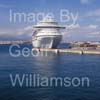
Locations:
{"points": [[46, 41]]}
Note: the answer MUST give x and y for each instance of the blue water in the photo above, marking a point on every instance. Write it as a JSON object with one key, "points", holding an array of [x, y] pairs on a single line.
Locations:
{"points": [[70, 65]]}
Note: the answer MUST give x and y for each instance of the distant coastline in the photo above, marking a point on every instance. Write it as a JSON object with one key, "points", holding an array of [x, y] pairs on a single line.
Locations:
{"points": [[71, 45], [16, 42]]}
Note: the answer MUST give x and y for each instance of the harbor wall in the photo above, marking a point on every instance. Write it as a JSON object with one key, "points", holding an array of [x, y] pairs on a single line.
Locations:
{"points": [[68, 51]]}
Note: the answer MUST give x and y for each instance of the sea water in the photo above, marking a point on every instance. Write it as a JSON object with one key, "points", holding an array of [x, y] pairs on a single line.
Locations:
{"points": [[54, 65]]}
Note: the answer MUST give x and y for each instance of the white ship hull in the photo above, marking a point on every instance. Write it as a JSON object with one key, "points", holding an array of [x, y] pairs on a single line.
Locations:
{"points": [[46, 41]]}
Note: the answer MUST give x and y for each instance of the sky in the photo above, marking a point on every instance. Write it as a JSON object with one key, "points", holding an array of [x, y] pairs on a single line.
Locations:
{"points": [[80, 17]]}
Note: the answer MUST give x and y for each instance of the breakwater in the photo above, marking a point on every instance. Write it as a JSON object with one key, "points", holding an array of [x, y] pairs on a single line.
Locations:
{"points": [[68, 51]]}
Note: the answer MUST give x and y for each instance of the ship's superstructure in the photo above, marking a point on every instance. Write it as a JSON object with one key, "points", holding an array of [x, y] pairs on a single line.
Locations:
{"points": [[47, 34]]}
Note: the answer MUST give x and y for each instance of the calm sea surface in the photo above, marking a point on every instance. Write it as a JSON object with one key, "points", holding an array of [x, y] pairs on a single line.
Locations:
{"points": [[59, 65]]}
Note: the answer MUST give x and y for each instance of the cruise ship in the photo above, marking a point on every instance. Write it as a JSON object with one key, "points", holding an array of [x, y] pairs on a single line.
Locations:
{"points": [[47, 34]]}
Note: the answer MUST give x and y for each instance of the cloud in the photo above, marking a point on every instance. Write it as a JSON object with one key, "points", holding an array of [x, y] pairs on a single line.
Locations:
{"points": [[92, 16], [95, 13], [28, 28], [84, 1], [25, 30], [72, 26], [94, 34], [92, 26], [83, 33], [23, 33]]}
